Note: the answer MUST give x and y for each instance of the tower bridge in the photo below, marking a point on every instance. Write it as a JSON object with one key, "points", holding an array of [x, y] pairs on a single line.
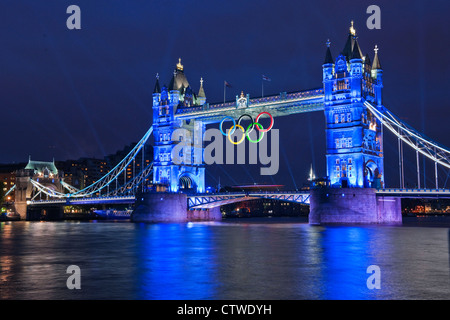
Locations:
{"points": [[355, 122]]}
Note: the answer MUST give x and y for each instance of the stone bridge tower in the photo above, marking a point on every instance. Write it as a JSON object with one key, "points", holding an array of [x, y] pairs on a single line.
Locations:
{"points": [[45, 173], [354, 136], [189, 175]]}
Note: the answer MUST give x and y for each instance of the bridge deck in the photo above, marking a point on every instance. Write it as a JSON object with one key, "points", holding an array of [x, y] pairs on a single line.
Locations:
{"points": [[277, 105], [211, 200]]}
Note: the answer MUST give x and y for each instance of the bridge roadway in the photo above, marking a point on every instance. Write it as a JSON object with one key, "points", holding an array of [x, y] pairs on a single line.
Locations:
{"points": [[211, 200]]}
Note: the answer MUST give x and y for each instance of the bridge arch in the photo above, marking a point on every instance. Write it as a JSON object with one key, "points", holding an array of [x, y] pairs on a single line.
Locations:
{"points": [[371, 172], [186, 182]]}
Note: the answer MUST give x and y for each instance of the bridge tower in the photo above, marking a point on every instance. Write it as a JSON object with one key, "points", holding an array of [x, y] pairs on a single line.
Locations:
{"points": [[354, 136], [46, 174], [190, 174]]}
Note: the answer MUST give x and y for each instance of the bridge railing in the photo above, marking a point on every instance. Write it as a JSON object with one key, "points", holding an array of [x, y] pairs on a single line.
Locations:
{"points": [[412, 190]]}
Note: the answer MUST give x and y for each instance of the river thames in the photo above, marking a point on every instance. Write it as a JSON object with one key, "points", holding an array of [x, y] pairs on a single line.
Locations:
{"points": [[274, 259]]}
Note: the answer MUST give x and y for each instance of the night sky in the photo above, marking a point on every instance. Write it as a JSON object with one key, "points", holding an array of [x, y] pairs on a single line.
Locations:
{"points": [[67, 94]]}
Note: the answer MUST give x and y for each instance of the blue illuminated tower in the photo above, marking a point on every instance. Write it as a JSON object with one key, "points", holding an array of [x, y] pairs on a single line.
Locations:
{"points": [[354, 136], [189, 175]]}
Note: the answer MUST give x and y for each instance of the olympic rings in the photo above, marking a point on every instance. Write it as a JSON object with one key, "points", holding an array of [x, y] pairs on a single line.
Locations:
{"points": [[243, 135], [260, 136], [246, 133], [251, 120], [271, 121], [221, 124]]}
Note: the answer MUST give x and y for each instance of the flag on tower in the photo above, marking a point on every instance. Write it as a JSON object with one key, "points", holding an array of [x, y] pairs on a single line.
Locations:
{"points": [[227, 84], [266, 78]]}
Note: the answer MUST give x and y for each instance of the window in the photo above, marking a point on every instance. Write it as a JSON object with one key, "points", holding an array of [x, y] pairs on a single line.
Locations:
{"points": [[349, 117], [338, 168], [336, 118], [337, 143], [342, 118], [349, 142], [349, 160], [337, 161]]}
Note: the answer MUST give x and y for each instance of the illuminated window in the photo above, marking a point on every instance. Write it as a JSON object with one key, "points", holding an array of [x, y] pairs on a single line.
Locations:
{"points": [[349, 142], [337, 143], [349, 160], [336, 118], [342, 118], [349, 117]]}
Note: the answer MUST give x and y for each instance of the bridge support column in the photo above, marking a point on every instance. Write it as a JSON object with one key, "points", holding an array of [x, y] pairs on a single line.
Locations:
{"points": [[169, 207], [352, 205], [212, 214]]}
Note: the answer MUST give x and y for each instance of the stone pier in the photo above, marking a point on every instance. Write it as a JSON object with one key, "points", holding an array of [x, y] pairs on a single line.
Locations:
{"points": [[169, 207], [352, 205]]}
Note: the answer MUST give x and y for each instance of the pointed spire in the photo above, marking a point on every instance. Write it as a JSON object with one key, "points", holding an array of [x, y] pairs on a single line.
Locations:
{"points": [[376, 62], [178, 81], [348, 49], [350, 44], [201, 92], [157, 88], [172, 82], [356, 52], [328, 56]]}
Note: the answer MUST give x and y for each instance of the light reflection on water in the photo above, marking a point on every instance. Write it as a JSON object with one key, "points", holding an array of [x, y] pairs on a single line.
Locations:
{"points": [[245, 259]]}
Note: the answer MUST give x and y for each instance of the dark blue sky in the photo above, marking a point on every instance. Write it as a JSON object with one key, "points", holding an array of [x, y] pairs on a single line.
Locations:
{"points": [[68, 94]]}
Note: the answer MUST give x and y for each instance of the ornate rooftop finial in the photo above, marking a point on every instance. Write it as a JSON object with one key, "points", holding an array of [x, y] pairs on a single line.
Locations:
{"points": [[179, 65], [352, 29], [157, 76], [328, 43], [376, 49], [242, 94], [201, 82]]}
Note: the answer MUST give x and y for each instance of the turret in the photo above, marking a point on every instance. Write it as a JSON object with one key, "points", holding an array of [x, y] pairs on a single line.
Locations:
{"points": [[201, 97], [174, 91], [356, 70], [377, 74], [156, 92], [328, 71]]}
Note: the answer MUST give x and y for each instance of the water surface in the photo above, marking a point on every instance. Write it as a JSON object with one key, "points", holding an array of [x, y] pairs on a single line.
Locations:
{"points": [[235, 259]]}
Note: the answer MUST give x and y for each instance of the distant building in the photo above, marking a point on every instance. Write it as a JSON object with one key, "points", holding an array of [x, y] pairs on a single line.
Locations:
{"points": [[135, 167], [8, 178], [73, 173]]}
